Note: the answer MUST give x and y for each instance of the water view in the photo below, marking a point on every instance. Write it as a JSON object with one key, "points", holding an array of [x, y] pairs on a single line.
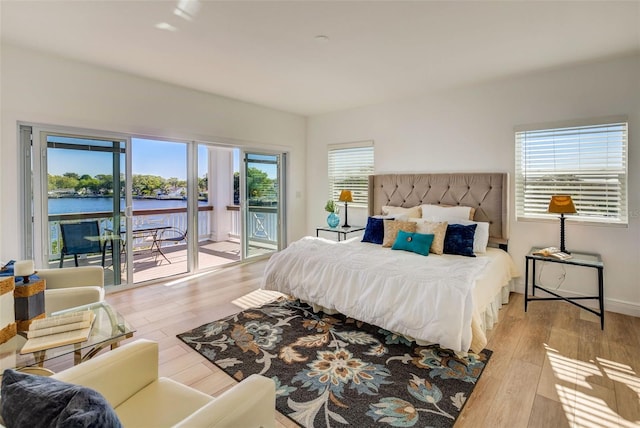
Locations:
{"points": [[88, 205]]}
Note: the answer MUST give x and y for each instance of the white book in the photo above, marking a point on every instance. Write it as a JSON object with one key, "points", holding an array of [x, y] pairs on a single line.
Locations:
{"points": [[57, 329], [58, 339], [57, 320]]}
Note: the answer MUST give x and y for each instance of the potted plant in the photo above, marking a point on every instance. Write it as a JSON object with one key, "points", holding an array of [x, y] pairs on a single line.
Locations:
{"points": [[333, 219]]}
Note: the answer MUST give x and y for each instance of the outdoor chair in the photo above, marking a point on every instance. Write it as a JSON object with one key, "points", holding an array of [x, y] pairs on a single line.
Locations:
{"points": [[172, 234], [80, 238]]}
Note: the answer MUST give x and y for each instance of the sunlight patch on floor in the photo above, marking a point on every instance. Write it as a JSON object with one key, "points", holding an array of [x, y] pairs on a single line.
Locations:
{"points": [[586, 403], [256, 298], [185, 279]]}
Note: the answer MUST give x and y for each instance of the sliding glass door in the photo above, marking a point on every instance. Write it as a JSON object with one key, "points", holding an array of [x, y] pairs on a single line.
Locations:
{"points": [[146, 209], [80, 203], [262, 203], [160, 220]]}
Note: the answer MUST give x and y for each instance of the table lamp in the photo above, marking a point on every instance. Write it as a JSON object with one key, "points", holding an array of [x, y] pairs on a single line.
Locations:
{"points": [[561, 204], [346, 196], [24, 268]]}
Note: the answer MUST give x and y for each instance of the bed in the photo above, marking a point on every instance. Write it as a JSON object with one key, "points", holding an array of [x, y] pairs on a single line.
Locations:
{"points": [[447, 299]]}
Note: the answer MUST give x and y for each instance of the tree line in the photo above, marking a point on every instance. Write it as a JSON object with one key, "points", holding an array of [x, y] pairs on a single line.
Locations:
{"points": [[102, 184], [260, 186]]}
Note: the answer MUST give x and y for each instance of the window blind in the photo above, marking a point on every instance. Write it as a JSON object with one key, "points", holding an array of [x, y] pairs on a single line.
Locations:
{"points": [[589, 163], [349, 169]]}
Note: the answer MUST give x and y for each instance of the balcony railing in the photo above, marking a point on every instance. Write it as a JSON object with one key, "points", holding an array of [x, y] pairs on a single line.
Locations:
{"points": [[262, 226], [173, 217]]}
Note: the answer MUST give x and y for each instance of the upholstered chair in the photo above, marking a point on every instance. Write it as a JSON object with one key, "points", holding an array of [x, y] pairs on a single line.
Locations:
{"points": [[73, 286], [127, 377]]}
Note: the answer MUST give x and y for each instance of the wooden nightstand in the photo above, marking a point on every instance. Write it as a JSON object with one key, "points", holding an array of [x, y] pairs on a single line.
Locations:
{"points": [[588, 260]]}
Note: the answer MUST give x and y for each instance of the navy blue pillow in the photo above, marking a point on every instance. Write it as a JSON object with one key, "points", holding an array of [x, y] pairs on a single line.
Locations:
{"points": [[459, 239], [419, 243], [374, 232], [30, 401]]}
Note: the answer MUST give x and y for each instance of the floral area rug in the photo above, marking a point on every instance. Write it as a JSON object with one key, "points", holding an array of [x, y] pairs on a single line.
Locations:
{"points": [[332, 371]]}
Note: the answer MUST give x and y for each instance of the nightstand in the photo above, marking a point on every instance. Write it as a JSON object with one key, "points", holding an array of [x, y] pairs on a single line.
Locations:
{"points": [[341, 231], [587, 260]]}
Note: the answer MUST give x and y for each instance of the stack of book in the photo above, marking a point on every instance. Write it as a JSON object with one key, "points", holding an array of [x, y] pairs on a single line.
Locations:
{"points": [[59, 330]]}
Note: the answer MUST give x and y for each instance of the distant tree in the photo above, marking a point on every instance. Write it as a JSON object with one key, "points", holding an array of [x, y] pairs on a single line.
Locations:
{"points": [[145, 185]]}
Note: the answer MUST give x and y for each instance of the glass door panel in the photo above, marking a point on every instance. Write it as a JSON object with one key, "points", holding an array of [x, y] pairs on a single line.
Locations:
{"points": [[159, 218], [218, 217], [262, 203], [84, 203]]}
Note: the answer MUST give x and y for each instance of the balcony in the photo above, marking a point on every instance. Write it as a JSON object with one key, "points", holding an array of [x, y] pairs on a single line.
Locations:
{"points": [[149, 264]]}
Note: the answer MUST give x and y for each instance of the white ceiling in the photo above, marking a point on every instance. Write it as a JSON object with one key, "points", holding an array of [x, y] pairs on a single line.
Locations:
{"points": [[265, 52]]}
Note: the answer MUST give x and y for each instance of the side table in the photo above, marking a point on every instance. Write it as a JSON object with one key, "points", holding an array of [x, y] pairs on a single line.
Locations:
{"points": [[339, 230], [588, 260], [29, 302]]}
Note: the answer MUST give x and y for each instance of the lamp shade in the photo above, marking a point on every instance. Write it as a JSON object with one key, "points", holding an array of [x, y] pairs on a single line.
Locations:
{"points": [[561, 204], [346, 196]]}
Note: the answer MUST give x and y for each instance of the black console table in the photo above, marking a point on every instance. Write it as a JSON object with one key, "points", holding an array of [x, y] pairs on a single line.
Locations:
{"points": [[588, 260]]}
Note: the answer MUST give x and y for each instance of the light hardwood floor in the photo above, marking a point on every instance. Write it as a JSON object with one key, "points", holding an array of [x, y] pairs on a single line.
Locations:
{"points": [[551, 366]]}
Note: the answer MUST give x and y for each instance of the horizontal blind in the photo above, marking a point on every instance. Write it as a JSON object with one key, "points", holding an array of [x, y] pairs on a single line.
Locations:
{"points": [[349, 169], [589, 163]]}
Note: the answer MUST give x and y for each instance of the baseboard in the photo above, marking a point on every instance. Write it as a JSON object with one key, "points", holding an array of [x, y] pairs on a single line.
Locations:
{"points": [[611, 305]]}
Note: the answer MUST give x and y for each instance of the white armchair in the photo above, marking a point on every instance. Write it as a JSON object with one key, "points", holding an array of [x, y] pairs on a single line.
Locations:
{"points": [[128, 378], [72, 286]]}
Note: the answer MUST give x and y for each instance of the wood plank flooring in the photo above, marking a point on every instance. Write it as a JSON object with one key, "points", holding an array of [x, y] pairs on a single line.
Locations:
{"points": [[551, 366]]}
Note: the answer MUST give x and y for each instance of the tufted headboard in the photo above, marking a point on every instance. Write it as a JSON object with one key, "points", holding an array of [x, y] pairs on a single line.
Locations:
{"points": [[488, 193]]}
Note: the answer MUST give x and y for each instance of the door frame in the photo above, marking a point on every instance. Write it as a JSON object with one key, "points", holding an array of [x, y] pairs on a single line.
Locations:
{"points": [[39, 230], [281, 158]]}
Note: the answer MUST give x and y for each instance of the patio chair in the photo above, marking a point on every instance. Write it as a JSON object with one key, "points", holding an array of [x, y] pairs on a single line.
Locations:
{"points": [[171, 234], [80, 238]]}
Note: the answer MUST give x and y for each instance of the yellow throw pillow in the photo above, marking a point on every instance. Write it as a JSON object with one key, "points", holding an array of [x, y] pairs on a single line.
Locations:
{"points": [[400, 211], [391, 228], [437, 229]]}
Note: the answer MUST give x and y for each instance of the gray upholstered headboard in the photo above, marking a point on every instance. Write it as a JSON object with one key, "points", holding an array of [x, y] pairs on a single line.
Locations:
{"points": [[488, 193]]}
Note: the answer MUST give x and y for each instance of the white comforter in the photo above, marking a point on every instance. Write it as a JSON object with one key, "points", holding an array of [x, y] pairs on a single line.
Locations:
{"points": [[425, 298]]}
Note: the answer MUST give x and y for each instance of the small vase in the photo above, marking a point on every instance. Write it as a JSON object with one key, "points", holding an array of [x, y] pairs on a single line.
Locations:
{"points": [[333, 220]]}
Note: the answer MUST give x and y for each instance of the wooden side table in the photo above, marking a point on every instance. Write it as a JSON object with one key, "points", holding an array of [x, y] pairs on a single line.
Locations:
{"points": [[7, 309], [29, 302], [588, 260]]}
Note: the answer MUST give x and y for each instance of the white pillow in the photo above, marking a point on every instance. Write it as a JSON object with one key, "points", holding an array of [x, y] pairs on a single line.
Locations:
{"points": [[400, 211], [439, 213], [481, 237]]}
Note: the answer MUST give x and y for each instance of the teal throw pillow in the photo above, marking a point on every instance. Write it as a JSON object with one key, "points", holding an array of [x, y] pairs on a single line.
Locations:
{"points": [[418, 243]]}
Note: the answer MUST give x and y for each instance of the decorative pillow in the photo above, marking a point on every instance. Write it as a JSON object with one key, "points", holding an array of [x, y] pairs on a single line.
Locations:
{"points": [[481, 238], [391, 228], [415, 242], [446, 213], [459, 240], [29, 400], [437, 229], [374, 232], [400, 211]]}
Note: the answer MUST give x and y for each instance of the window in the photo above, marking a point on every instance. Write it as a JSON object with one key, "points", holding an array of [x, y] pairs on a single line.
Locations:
{"points": [[586, 161], [349, 168]]}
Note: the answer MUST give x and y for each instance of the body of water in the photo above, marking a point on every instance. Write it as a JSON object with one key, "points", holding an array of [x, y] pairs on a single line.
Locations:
{"points": [[87, 205]]}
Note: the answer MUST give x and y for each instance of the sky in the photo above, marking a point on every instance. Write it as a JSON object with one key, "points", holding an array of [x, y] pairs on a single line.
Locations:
{"points": [[149, 157]]}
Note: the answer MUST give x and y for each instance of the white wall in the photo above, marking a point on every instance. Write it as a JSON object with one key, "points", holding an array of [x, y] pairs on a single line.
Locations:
{"points": [[40, 88], [471, 129]]}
